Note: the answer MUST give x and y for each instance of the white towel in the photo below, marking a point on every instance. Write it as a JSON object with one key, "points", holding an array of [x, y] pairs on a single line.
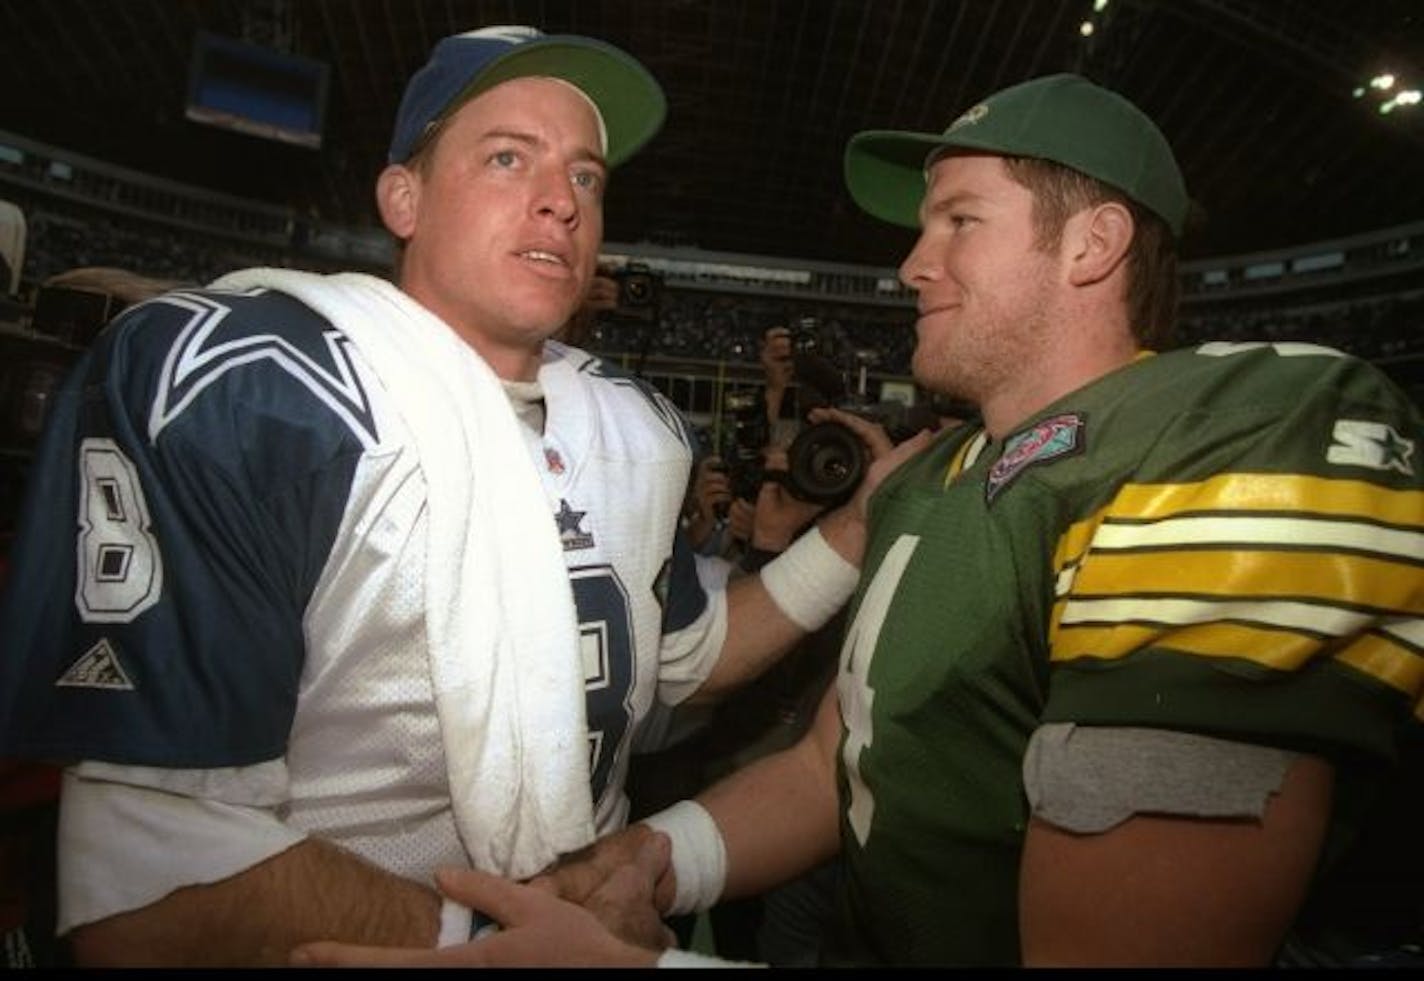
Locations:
{"points": [[500, 621]]}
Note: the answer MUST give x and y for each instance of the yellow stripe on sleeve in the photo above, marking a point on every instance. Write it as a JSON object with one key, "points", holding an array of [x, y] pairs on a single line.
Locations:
{"points": [[1282, 650], [1382, 658], [1282, 493], [1311, 500], [1373, 654], [1356, 580]]}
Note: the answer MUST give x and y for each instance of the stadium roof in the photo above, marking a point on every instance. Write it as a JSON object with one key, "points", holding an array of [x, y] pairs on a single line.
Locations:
{"points": [[1258, 96]]}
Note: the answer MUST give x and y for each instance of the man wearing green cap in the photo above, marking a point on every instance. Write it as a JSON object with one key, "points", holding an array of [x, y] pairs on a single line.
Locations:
{"points": [[327, 581], [1127, 665]]}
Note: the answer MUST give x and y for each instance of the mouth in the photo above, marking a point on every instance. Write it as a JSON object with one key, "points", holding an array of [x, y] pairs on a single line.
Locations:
{"points": [[941, 308], [544, 257]]}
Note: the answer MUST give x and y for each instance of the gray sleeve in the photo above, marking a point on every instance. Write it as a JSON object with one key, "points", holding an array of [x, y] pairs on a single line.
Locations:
{"points": [[1089, 779]]}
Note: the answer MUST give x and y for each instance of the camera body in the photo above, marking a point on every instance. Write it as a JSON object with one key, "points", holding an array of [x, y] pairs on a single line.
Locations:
{"points": [[827, 460], [640, 293], [744, 433]]}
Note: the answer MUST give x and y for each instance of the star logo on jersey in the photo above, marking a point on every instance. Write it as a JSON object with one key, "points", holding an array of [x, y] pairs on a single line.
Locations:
{"points": [[1398, 451], [98, 667], [1376, 445], [213, 342], [570, 533], [1051, 439]]}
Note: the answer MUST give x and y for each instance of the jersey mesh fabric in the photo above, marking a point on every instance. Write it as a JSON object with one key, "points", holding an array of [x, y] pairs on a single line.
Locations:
{"points": [[966, 635], [303, 518]]}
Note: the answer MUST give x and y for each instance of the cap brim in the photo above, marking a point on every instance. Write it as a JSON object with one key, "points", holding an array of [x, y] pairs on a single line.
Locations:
{"points": [[885, 169], [629, 98], [885, 173]]}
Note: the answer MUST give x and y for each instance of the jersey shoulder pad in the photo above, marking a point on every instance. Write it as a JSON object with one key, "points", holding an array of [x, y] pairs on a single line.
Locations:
{"points": [[262, 347], [612, 384]]}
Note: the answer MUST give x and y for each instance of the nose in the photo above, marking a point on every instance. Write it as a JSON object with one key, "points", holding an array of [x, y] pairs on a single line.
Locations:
{"points": [[555, 197], [918, 267]]}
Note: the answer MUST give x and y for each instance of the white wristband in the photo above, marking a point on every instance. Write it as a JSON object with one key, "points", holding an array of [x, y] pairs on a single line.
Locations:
{"points": [[673, 957], [699, 856], [454, 923], [809, 581], [460, 924]]}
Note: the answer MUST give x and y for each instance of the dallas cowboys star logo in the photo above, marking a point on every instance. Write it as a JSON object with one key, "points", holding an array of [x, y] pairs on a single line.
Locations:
{"points": [[570, 533]]}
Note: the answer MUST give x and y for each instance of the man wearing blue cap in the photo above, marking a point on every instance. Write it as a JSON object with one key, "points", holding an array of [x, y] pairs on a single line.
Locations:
{"points": [[325, 582], [1129, 665]]}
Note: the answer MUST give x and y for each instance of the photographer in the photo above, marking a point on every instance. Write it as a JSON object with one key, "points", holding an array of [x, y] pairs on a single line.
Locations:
{"points": [[782, 926], [783, 416], [602, 296]]}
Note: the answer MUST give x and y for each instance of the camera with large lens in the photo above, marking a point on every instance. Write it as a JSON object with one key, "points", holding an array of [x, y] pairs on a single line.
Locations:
{"points": [[826, 460], [744, 433], [825, 463], [640, 293]]}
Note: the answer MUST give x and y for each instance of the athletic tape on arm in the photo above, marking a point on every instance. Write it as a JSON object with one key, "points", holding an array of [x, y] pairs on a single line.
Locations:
{"points": [[699, 856], [809, 581]]}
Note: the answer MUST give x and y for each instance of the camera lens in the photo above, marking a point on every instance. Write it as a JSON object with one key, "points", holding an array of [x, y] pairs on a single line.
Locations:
{"points": [[825, 463]]}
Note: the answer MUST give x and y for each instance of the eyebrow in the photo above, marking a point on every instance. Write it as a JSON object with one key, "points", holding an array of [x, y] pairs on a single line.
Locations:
{"points": [[956, 199], [530, 140]]}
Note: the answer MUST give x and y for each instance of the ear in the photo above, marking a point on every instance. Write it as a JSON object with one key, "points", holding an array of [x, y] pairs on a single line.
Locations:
{"points": [[1099, 238], [398, 198]]}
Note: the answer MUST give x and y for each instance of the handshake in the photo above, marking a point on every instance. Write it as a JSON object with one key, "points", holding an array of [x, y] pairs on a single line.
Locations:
{"points": [[600, 907]]}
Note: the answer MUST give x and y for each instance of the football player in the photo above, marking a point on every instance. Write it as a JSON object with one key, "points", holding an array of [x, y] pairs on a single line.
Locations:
{"points": [[1130, 663], [326, 581]]}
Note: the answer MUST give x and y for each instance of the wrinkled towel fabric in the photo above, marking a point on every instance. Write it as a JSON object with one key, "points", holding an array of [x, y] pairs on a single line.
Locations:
{"points": [[500, 619]]}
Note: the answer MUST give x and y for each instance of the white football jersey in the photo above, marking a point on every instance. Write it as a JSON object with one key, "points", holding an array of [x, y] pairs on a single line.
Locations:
{"points": [[251, 628]]}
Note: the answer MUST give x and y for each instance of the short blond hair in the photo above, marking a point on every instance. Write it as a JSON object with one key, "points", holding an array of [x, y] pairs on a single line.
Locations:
{"points": [[1153, 288]]}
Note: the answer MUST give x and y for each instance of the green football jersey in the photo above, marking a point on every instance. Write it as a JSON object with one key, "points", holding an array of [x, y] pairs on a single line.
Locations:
{"points": [[1226, 540]]}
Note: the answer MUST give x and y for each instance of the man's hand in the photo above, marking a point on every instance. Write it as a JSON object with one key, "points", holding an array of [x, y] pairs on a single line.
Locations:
{"points": [[710, 497], [577, 876], [885, 455], [625, 900], [537, 927], [779, 515], [845, 527], [741, 519], [602, 294]]}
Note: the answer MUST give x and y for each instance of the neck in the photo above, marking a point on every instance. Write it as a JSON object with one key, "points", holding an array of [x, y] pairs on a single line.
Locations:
{"points": [[511, 364], [1064, 372]]}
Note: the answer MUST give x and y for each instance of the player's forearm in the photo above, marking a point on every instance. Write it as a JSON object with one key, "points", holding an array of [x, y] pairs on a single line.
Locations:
{"points": [[758, 634], [796, 593], [312, 891], [844, 529], [779, 816]]}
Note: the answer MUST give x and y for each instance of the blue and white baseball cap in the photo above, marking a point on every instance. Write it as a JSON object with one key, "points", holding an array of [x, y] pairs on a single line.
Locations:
{"points": [[627, 97]]}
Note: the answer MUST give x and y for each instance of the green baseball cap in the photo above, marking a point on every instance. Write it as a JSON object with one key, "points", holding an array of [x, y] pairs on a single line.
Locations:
{"points": [[1064, 118]]}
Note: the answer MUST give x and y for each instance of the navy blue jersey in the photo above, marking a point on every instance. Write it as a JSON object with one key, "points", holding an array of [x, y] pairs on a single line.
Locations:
{"points": [[222, 564], [193, 474]]}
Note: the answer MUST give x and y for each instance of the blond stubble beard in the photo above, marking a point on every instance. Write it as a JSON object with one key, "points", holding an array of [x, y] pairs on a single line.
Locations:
{"points": [[997, 349]]}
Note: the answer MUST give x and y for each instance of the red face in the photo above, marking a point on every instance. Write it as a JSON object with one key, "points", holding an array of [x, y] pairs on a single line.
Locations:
{"points": [[985, 288], [504, 224]]}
